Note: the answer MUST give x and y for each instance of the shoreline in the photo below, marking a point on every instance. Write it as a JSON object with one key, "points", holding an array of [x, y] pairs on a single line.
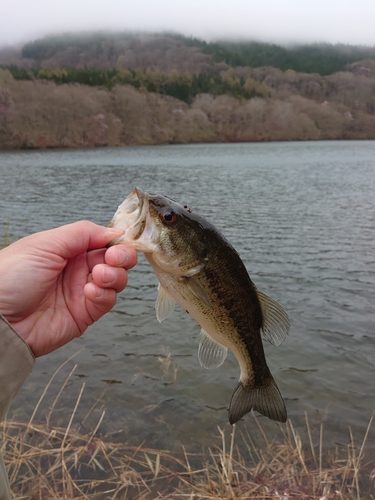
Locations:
{"points": [[142, 144]]}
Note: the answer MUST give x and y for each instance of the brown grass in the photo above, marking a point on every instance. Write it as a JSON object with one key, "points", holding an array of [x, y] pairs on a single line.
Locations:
{"points": [[50, 462]]}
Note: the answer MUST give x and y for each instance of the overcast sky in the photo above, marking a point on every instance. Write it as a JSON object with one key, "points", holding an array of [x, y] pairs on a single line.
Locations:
{"points": [[280, 21]]}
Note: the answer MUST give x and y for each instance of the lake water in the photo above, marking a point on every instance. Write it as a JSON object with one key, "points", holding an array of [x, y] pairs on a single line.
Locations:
{"points": [[302, 216]]}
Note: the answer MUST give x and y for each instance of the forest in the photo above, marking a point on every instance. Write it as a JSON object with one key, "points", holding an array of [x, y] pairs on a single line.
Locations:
{"points": [[320, 58], [108, 89], [181, 86]]}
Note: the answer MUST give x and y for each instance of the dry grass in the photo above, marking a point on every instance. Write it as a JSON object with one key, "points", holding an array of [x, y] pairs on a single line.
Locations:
{"points": [[168, 368], [56, 463], [51, 462]]}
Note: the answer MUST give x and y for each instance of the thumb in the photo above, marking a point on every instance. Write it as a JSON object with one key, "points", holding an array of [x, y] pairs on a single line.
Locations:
{"points": [[74, 239]]}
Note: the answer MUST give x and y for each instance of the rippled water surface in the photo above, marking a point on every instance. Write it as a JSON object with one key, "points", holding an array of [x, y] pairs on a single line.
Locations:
{"points": [[302, 216]]}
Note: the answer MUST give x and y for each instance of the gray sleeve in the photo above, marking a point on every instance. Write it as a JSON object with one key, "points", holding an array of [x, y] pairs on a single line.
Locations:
{"points": [[4, 485], [16, 362]]}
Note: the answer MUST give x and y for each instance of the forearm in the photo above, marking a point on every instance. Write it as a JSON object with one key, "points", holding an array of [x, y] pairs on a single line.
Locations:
{"points": [[16, 362]]}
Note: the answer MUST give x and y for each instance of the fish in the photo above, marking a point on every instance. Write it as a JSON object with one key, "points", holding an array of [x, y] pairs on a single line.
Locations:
{"points": [[199, 269]]}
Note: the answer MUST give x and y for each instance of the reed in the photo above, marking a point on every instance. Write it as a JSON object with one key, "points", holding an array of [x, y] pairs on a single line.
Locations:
{"points": [[46, 461]]}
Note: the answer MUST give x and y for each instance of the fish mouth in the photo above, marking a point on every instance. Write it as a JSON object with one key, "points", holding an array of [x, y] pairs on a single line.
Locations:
{"points": [[130, 214], [134, 218]]}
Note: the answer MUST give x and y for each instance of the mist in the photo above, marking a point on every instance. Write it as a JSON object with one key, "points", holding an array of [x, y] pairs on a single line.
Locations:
{"points": [[287, 22]]}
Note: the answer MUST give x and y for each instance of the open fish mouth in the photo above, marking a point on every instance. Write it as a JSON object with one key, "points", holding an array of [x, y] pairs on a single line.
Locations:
{"points": [[131, 216]]}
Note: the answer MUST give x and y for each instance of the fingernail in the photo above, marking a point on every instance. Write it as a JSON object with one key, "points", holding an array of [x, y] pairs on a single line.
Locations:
{"points": [[122, 256], [109, 275], [98, 292]]}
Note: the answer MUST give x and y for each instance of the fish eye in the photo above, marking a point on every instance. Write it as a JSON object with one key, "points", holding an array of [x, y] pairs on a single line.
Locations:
{"points": [[168, 216]]}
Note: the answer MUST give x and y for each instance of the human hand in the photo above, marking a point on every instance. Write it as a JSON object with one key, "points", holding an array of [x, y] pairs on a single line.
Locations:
{"points": [[56, 283]]}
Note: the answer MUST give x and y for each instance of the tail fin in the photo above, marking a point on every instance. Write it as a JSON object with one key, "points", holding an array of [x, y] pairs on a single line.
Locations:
{"points": [[265, 399]]}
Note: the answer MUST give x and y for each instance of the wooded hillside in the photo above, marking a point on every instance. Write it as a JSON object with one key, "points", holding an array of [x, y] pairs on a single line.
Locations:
{"points": [[101, 89]]}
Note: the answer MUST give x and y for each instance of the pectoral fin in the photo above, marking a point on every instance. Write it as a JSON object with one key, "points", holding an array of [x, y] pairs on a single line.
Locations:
{"points": [[210, 353], [196, 289], [195, 270], [275, 320], [164, 304]]}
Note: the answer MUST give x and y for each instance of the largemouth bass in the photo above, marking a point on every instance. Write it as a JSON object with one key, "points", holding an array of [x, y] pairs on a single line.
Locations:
{"points": [[201, 271]]}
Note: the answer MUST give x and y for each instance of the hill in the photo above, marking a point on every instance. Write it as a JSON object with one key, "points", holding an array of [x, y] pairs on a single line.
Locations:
{"points": [[168, 51], [103, 89]]}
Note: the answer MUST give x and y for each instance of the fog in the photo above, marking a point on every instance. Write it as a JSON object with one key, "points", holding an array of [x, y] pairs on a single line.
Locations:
{"points": [[285, 22]]}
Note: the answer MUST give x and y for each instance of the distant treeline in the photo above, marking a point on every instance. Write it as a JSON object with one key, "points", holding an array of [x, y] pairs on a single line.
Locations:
{"points": [[44, 48], [323, 59], [37, 113], [106, 89], [181, 86]]}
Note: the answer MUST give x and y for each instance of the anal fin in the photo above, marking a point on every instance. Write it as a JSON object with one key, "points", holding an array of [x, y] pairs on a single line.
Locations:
{"points": [[211, 354]]}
